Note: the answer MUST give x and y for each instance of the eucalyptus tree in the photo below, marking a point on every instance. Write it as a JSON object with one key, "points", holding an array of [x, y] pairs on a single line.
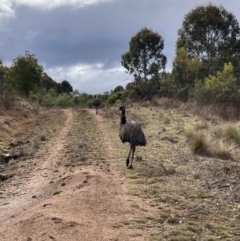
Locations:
{"points": [[118, 88], [185, 71], [47, 83], [144, 58], [26, 73], [65, 87], [212, 33]]}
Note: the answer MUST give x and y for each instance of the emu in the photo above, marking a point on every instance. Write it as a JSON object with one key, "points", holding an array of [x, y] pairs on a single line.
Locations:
{"points": [[130, 132], [96, 103]]}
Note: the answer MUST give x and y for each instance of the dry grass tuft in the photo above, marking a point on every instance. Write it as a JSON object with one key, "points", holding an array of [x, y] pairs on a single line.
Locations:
{"points": [[213, 140], [223, 151], [231, 133], [198, 141]]}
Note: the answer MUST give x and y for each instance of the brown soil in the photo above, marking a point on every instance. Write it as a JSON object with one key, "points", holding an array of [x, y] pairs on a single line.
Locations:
{"points": [[50, 199]]}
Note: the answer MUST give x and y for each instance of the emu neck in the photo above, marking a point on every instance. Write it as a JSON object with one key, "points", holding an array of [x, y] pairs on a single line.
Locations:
{"points": [[123, 119]]}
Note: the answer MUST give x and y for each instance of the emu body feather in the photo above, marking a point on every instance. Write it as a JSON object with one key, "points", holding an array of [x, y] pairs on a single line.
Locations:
{"points": [[131, 132]]}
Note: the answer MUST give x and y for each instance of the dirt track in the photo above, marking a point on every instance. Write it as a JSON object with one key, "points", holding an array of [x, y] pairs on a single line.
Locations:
{"points": [[59, 202], [71, 182]]}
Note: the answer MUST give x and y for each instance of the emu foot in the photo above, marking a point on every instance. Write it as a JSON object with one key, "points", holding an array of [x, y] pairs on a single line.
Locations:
{"points": [[130, 167]]}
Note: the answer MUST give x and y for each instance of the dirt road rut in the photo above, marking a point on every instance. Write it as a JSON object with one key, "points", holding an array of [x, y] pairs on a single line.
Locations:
{"points": [[63, 201]]}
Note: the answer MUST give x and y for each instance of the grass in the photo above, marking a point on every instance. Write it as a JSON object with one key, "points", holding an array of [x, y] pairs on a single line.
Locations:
{"points": [[135, 205], [134, 235], [57, 192], [198, 141], [223, 152], [232, 133], [184, 180], [117, 225], [198, 199], [139, 158], [217, 142], [132, 176], [135, 191], [228, 131], [197, 175]]}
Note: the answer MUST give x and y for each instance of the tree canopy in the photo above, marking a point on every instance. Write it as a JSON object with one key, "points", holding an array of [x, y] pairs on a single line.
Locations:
{"points": [[64, 87], [212, 33], [26, 73], [185, 71], [47, 83], [118, 89], [145, 56]]}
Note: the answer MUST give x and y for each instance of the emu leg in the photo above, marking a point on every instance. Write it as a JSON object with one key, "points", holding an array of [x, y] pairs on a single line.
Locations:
{"points": [[127, 161], [133, 151]]}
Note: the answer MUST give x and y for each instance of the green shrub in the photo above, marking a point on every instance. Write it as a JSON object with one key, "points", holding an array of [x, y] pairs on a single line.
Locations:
{"points": [[64, 100], [224, 86], [48, 100], [114, 97]]}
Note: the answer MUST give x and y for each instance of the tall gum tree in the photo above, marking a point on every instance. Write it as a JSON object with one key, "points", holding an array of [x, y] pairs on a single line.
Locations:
{"points": [[26, 74], [212, 33], [144, 58]]}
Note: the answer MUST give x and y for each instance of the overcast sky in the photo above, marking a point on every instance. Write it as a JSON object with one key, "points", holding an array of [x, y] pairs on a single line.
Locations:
{"points": [[82, 40]]}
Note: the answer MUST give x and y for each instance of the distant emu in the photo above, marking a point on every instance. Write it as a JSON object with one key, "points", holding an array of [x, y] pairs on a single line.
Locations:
{"points": [[96, 103], [131, 132]]}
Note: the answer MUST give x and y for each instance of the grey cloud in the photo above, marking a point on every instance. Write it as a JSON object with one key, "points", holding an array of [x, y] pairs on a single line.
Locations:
{"points": [[67, 36]]}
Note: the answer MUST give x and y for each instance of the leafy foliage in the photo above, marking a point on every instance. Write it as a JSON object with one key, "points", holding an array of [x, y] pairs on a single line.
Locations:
{"points": [[118, 89], [185, 70], [144, 57], [47, 83], [223, 86], [26, 73], [213, 33], [114, 97], [64, 87], [63, 100]]}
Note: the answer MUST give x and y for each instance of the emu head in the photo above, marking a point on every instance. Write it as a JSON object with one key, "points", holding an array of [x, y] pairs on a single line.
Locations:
{"points": [[122, 108]]}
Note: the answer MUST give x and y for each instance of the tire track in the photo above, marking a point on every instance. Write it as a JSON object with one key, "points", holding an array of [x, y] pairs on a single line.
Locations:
{"points": [[33, 191]]}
